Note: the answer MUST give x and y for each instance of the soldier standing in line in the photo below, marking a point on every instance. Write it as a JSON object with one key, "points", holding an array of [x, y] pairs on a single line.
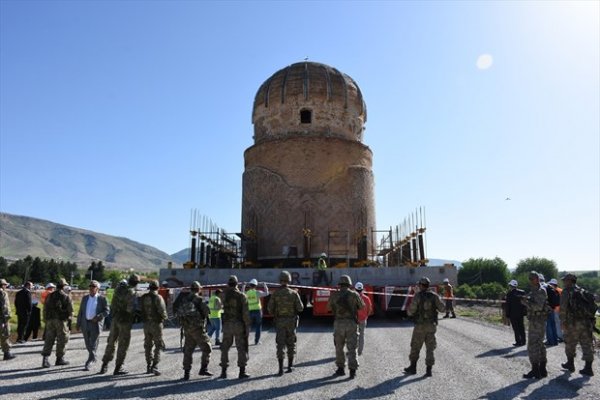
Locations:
{"points": [[123, 311], [154, 312], [537, 312], [576, 326], [424, 309], [58, 311], [284, 306], [236, 325], [344, 304], [4, 321], [192, 313]]}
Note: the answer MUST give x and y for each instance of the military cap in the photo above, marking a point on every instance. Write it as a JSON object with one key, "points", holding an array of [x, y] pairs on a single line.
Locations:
{"points": [[233, 280], [62, 282], [133, 280], [3, 282], [153, 285], [424, 281], [195, 285], [571, 277]]}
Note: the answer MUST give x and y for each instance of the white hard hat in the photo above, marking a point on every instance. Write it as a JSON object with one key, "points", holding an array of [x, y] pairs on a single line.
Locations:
{"points": [[253, 282], [50, 285], [165, 282], [358, 286], [446, 280], [323, 254], [553, 281], [513, 283]]}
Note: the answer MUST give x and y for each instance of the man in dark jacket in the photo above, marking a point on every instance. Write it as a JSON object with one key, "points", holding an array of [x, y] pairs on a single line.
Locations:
{"points": [[515, 312], [90, 319], [23, 306]]}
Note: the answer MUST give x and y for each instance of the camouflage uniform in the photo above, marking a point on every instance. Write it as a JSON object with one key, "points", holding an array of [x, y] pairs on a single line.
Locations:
{"points": [[424, 308], [285, 305], [236, 324], [344, 304], [154, 312], [4, 318], [577, 329], [58, 311], [537, 313], [194, 328], [123, 312]]}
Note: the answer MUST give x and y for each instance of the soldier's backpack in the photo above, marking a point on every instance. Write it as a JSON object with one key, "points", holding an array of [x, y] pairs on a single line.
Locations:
{"points": [[584, 304], [187, 309]]}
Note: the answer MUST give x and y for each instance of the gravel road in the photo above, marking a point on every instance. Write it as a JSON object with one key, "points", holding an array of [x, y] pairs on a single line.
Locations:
{"points": [[474, 360]]}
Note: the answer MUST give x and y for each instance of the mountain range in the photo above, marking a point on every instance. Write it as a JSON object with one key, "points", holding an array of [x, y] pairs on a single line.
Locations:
{"points": [[22, 236]]}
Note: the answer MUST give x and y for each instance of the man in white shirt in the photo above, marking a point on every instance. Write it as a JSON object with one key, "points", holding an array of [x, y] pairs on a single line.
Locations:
{"points": [[90, 319]]}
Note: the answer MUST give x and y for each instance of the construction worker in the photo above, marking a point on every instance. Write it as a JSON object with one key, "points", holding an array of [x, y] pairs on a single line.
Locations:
{"points": [[424, 309], [577, 327], [154, 312], [192, 313], [559, 335], [58, 311], [344, 304], [236, 325], [50, 287], [215, 305], [4, 321], [284, 306], [537, 312], [362, 315], [255, 307], [322, 270], [123, 311], [449, 298]]}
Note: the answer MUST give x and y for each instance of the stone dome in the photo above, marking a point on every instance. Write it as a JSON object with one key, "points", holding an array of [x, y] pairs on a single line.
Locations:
{"points": [[308, 99]]}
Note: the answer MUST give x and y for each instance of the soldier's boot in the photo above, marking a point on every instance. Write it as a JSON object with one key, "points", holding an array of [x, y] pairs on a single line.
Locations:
{"points": [[104, 368], [8, 356], [280, 360], [204, 370], [149, 368], [447, 315], [119, 370], [45, 362], [587, 370], [352, 373], [569, 365], [186, 375], [154, 369], [340, 371], [290, 364], [453, 315], [428, 371], [243, 373], [223, 373], [543, 370], [534, 373], [61, 361], [412, 369]]}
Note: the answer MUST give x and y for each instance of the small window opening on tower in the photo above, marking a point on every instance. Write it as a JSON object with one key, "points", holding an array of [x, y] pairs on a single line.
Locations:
{"points": [[305, 116]]}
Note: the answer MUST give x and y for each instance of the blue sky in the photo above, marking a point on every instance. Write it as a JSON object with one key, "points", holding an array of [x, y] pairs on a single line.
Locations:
{"points": [[121, 117]]}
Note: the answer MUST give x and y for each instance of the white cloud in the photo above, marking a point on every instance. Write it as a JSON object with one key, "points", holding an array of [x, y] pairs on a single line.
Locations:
{"points": [[484, 61]]}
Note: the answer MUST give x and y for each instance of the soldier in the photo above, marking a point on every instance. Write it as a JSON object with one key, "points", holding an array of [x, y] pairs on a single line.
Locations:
{"points": [[192, 313], [344, 304], [576, 326], [4, 321], [123, 311], [424, 309], [58, 311], [537, 312], [154, 312], [236, 324], [449, 298], [284, 306]]}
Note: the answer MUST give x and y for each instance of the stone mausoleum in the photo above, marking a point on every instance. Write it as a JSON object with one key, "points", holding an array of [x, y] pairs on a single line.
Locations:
{"points": [[308, 181]]}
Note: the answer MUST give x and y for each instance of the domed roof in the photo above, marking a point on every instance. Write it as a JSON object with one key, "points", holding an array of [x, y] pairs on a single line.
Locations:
{"points": [[323, 91]]}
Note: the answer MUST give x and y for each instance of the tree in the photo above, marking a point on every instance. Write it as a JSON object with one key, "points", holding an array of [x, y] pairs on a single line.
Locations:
{"points": [[3, 267], [96, 271], [482, 270], [541, 265]]}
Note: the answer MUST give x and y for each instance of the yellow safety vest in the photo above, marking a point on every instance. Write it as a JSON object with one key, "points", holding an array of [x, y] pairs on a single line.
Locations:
{"points": [[212, 305], [253, 300]]}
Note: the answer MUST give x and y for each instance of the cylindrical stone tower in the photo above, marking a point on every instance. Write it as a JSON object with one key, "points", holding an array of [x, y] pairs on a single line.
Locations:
{"points": [[308, 182]]}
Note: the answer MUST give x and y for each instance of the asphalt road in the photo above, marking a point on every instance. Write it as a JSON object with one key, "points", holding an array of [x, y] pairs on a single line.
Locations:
{"points": [[474, 360]]}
